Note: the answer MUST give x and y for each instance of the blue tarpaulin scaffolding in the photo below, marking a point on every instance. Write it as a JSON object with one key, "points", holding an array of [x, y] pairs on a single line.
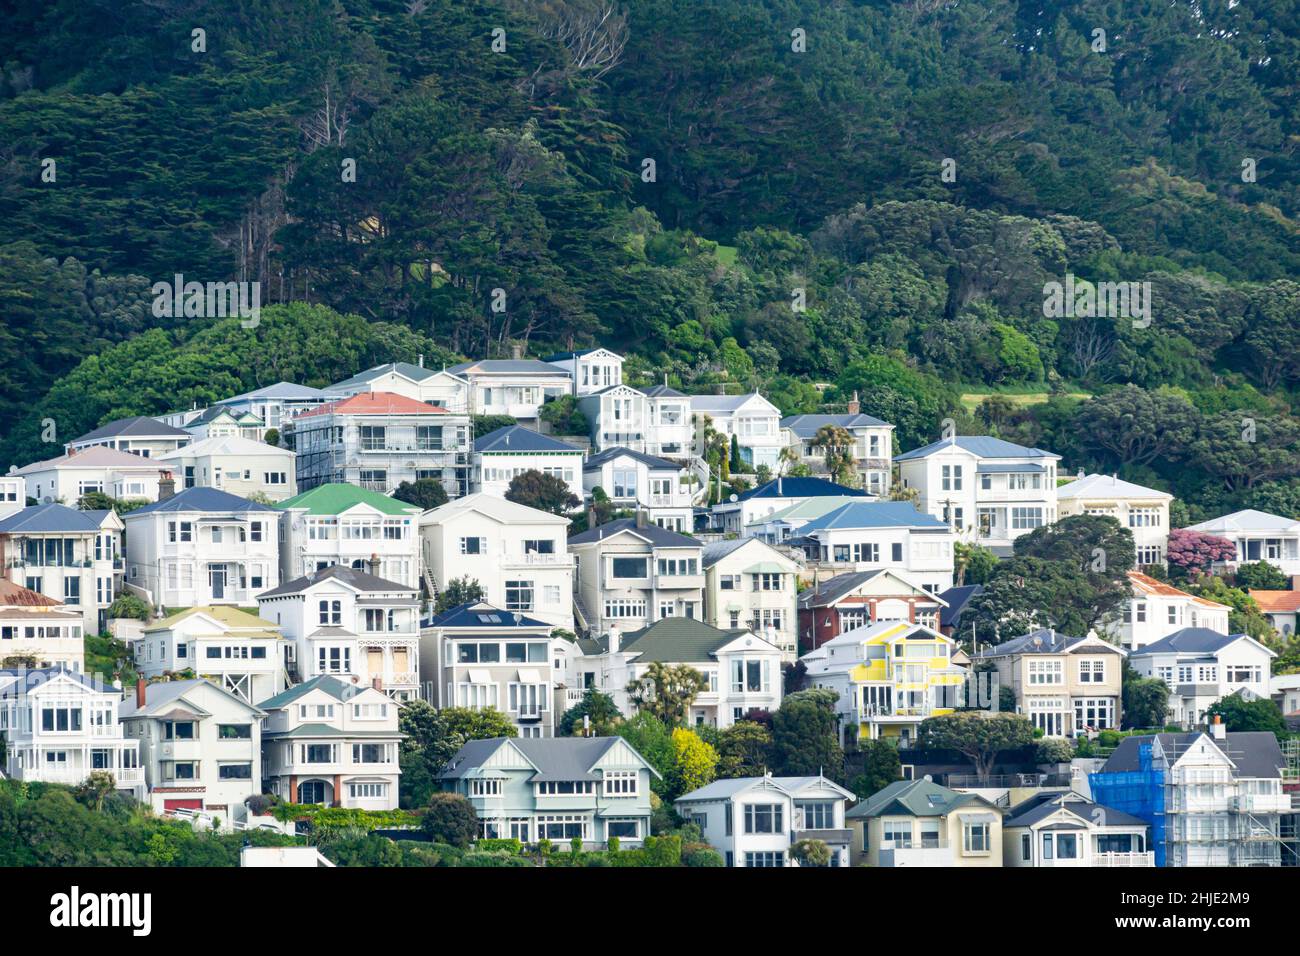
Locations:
{"points": [[1140, 792]]}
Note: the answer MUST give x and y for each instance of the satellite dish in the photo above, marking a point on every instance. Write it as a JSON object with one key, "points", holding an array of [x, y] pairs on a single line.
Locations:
{"points": [[733, 498]]}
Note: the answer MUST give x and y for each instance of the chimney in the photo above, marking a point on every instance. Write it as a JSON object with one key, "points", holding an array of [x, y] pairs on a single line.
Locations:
{"points": [[1295, 582], [778, 486], [615, 640], [855, 406], [377, 683], [420, 361], [1079, 476], [166, 486], [720, 388], [516, 350], [640, 518], [373, 564], [141, 692], [1217, 730]]}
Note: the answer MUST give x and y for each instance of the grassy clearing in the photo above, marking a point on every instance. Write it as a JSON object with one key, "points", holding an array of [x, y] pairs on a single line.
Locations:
{"points": [[972, 399]]}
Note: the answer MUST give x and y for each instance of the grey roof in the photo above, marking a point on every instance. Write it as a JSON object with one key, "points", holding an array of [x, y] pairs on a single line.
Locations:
{"points": [[361, 580], [678, 640], [555, 758], [163, 694], [278, 390], [1041, 641], [715, 551], [26, 680], [981, 445], [507, 367], [416, 372], [51, 517], [138, 426], [662, 391], [828, 592], [1256, 754], [917, 798], [1043, 805], [875, 514], [517, 438], [1190, 640], [720, 403], [958, 598], [206, 500], [807, 426], [657, 536], [729, 787], [596, 461], [339, 690]]}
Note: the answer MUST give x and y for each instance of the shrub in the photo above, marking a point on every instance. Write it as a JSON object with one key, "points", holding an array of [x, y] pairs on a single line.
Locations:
{"points": [[508, 845], [1109, 738], [1053, 750], [450, 818], [706, 856]]}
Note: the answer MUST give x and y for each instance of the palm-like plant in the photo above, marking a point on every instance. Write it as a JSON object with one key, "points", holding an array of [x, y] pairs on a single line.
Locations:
{"points": [[837, 445], [667, 690]]}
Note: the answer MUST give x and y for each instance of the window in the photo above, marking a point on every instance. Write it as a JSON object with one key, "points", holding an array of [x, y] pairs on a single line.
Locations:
{"points": [[1067, 846], [331, 613], [729, 582], [896, 834], [485, 788], [624, 609], [539, 546], [623, 829], [234, 771], [621, 783], [951, 477], [564, 788], [1026, 846], [814, 815], [975, 838], [767, 582], [1046, 672], [367, 791], [561, 827], [676, 567], [750, 676], [519, 595], [764, 817], [629, 567], [61, 719], [1094, 713], [234, 731], [1026, 518], [370, 753], [318, 753], [72, 590], [1092, 671], [767, 859], [473, 545]]}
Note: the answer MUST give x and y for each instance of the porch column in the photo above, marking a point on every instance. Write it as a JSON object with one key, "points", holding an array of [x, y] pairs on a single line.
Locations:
{"points": [[338, 790]]}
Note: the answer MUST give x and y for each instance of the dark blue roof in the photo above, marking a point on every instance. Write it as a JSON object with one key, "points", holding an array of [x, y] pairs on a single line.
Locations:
{"points": [[137, 425], [514, 438], [1190, 640], [958, 598], [657, 536], [801, 488], [596, 461], [981, 445], [51, 517], [202, 499], [480, 614]]}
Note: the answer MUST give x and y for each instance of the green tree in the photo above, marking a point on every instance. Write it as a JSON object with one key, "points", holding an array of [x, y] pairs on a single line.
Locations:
{"points": [[744, 749], [599, 707], [1261, 576], [881, 766], [450, 818], [972, 564], [458, 591], [433, 737], [666, 691], [804, 737], [426, 493], [837, 446], [1145, 700], [811, 853], [977, 735], [563, 416], [1241, 715], [544, 492]]}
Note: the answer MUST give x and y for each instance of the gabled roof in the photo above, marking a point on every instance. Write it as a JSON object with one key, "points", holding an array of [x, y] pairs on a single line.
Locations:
{"points": [[51, 517], [16, 683], [337, 497], [97, 456], [507, 367], [722, 403], [213, 412], [492, 506], [339, 690], [285, 390], [662, 391], [801, 488], [517, 438], [1247, 520], [222, 613], [1193, 640], [15, 595], [723, 789], [875, 514], [225, 445], [552, 758], [678, 640], [595, 462], [957, 599], [833, 590], [138, 426], [1276, 602], [359, 580], [1043, 805], [565, 356], [480, 614], [375, 403], [658, 537], [416, 373], [160, 696], [1254, 754], [1108, 486], [1145, 584], [1046, 641], [979, 445], [807, 426], [917, 798], [205, 500], [805, 510]]}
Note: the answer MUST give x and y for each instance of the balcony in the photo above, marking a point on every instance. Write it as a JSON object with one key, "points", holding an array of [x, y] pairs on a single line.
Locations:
{"points": [[1262, 803], [832, 836], [535, 559], [940, 855], [1124, 859]]}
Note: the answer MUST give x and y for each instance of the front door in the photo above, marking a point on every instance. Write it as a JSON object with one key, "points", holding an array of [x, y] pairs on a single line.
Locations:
{"points": [[217, 581]]}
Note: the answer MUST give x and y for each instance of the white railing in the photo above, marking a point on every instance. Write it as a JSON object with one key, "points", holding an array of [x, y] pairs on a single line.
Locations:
{"points": [[1124, 859]]}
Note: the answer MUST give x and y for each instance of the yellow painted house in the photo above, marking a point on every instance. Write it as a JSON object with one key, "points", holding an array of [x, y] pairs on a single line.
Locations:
{"points": [[890, 676]]}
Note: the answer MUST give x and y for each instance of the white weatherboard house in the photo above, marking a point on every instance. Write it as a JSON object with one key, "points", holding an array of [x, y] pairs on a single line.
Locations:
{"points": [[201, 746], [235, 464], [1065, 830], [432, 386], [276, 404], [988, 490], [502, 455], [635, 480], [753, 821], [478, 656], [220, 421], [140, 435], [13, 494], [518, 555], [1144, 511], [239, 652], [118, 474], [1258, 536], [378, 440], [743, 671], [630, 573], [750, 584], [873, 444], [784, 524], [355, 527], [754, 421], [60, 727], [514, 387], [654, 420], [202, 546], [594, 789], [880, 535], [38, 631], [1157, 609], [70, 556], [590, 370], [334, 742], [1201, 667], [778, 495], [349, 624]]}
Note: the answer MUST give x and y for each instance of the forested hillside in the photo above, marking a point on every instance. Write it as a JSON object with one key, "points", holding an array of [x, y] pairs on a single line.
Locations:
{"points": [[1165, 153]]}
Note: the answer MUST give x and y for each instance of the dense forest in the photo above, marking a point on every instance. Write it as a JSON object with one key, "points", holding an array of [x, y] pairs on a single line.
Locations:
{"points": [[668, 177]]}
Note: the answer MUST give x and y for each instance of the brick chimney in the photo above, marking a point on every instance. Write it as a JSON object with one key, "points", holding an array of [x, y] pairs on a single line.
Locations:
{"points": [[1217, 730], [855, 406], [377, 683], [516, 350], [166, 486], [640, 518], [373, 565], [141, 692], [615, 640]]}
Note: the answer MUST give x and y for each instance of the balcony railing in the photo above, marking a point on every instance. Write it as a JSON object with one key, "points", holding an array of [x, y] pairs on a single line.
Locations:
{"points": [[1124, 859]]}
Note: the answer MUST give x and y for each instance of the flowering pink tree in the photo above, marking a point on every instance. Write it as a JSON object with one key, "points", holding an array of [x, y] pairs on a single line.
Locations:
{"points": [[1196, 551]]}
